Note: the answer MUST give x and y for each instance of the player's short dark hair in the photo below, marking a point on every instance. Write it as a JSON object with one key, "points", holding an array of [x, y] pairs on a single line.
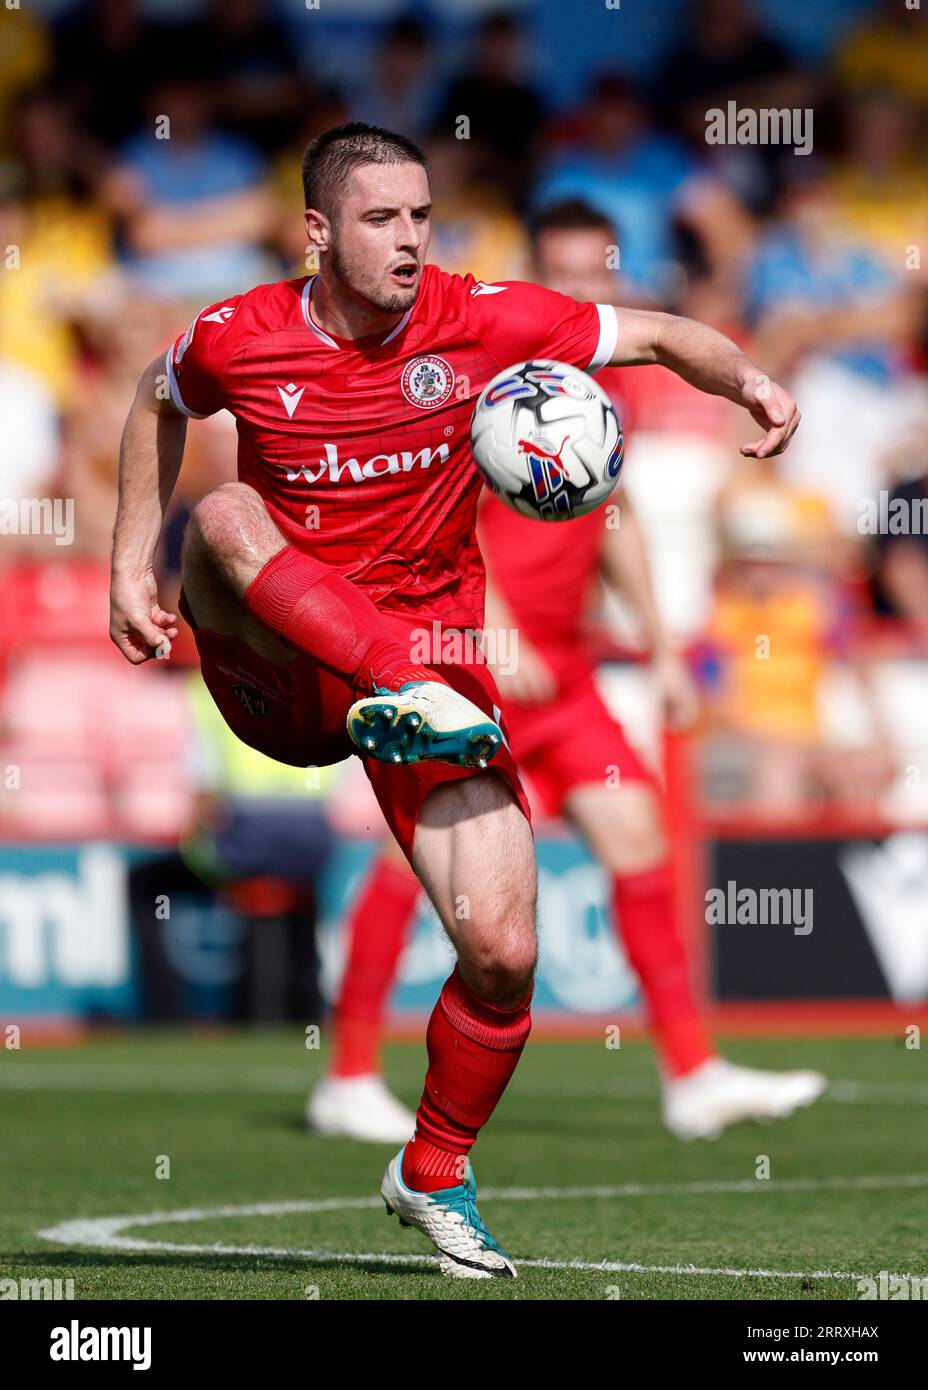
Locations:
{"points": [[330, 158], [570, 215]]}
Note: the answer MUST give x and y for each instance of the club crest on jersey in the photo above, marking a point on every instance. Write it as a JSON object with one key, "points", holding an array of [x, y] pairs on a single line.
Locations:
{"points": [[427, 382]]}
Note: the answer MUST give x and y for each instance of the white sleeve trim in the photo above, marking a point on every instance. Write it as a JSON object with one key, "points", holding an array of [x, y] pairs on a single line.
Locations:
{"points": [[608, 336], [174, 389]]}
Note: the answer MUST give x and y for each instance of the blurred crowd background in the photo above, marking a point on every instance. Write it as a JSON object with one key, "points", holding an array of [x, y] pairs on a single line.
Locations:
{"points": [[111, 238]]}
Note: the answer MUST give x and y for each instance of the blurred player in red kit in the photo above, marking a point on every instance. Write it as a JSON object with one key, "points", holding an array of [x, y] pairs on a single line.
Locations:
{"points": [[564, 741], [352, 524]]}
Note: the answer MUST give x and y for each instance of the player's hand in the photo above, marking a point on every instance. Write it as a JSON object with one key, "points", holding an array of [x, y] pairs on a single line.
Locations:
{"points": [[529, 681], [139, 625], [678, 692], [775, 411]]}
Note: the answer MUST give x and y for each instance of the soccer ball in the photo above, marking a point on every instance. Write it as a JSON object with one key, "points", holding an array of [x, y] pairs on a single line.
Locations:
{"points": [[547, 440]]}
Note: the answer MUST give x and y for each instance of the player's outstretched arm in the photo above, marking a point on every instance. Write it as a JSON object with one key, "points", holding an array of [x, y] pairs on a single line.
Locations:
{"points": [[149, 461], [713, 363]]}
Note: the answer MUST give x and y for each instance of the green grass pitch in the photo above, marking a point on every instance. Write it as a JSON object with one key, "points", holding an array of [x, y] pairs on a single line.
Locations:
{"points": [[84, 1129]]}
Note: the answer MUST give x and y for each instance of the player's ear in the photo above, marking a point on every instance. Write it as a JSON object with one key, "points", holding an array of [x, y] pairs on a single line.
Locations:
{"points": [[318, 229]]}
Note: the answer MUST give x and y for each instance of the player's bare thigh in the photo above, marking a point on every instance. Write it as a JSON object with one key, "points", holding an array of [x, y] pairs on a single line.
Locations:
{"points": [[474, 854], [229, 539], [623, 825]]}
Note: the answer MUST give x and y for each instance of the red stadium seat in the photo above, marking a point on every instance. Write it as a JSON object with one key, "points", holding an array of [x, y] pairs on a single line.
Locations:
{"points": [[117, 734], [154, 801], [63, 798], [61, 604]]}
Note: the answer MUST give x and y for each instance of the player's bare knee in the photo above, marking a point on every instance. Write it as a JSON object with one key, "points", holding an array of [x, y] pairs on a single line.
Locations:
{"points": [[231, 530], [511, 965], [498, 952], [217, 518], [499, 982]]}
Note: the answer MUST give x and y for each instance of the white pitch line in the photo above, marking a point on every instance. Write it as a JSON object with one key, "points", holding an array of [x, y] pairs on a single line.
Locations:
{"points": [[51, 1076], [106, 1232], [391, 1258], [17, 1075]]}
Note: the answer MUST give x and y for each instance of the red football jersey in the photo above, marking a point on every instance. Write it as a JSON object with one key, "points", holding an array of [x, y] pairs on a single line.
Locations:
{"points": [[361, 448]]}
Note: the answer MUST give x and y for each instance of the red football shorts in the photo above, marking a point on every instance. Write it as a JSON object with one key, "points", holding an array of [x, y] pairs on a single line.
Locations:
{"points": [[297, 716], [573, 741]]}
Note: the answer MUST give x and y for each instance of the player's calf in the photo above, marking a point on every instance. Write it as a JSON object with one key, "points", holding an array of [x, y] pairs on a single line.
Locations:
{"points": [[474, 855]]}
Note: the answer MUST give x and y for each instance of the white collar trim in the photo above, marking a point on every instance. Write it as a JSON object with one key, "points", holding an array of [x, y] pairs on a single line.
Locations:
{"points": [[399, 327], [306, 302]]}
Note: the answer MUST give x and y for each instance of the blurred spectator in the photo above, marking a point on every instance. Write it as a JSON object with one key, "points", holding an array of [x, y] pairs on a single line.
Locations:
{"points": [[398, 88], [881, 181], [833, 320], [725, 54], [903, 537], [504, 110], [25, 56], [107, 56], [30, 447], [62, 236], [889, 50], [474, 229], [774, 631], [243, 53], [193, 206], [121, 336], [647, 184], [801, 530], [327, 109]]}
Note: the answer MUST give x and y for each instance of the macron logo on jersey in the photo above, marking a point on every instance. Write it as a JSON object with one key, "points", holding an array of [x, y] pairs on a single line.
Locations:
{"points": [[482, 288], [290, 397], [219, 315]]}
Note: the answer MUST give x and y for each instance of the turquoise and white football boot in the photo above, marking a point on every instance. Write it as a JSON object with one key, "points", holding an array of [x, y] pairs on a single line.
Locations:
{"points": [[452, 1223], [423, 721]]}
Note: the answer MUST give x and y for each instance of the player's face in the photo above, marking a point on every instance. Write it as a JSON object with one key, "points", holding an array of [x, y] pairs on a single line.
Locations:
{"points": [[380, 234], [576, 263]]}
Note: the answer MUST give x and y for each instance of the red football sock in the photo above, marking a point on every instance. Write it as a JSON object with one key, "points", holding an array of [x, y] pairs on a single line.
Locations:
{"points": [[473, 1049], [378, 926], [319, 610], [644, 910]]}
